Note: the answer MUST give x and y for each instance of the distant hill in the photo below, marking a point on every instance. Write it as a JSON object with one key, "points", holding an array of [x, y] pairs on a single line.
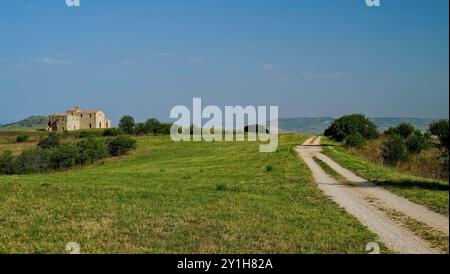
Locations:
{"points": [[305, 125], [318, 125], [28, 123]]}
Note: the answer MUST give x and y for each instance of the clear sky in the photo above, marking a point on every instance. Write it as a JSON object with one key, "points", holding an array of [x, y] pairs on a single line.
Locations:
{"points": [[309, 57]]}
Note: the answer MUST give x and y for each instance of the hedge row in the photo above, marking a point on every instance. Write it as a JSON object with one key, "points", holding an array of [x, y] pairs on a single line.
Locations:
{"points": [[52, 155]]}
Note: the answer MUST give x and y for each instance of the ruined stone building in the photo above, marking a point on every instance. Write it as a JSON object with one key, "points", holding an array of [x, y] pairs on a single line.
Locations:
{"points": [[76, 119]]}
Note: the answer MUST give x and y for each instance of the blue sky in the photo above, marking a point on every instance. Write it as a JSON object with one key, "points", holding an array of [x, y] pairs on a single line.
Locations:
{"points": [[309, 57]]}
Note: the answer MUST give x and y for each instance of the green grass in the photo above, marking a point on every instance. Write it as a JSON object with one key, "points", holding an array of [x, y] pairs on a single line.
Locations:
{"points": [[329, 170], [171, 197], [431, 193]]}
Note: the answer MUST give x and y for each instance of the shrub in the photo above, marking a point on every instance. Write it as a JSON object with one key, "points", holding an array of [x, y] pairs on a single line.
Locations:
{"points": [[50, 142], [445, 159], [112, 132], [127, 124], [153, 126], [64, 156], [354, 140], [22, 138], [33, 161], [404, 130], [221, 187], [140, 129], [441, 130], [91, 150], [165, 128], [394, 150], [352, 124], [121, 145], [417, 142], [7, 163], [90, 134]]}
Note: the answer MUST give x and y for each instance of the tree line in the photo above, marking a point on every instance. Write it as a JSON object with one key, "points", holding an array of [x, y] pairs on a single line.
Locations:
{"points": [[51, 154], [400, 142], [152, 126]]}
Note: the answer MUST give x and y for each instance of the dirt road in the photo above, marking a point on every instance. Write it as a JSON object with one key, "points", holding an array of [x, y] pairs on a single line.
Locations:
{"points": [[370, 204]]}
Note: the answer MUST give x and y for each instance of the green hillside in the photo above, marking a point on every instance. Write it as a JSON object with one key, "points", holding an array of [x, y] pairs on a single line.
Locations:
{"points": [[31, 122]]}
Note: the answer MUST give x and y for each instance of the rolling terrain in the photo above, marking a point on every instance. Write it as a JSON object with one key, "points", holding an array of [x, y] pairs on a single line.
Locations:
{"points": [[183, 197], [32, 122]]}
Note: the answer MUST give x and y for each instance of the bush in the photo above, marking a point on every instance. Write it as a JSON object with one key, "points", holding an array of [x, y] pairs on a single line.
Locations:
{"points": [[127, 124], [121, 145], [164, 128], [354, 140], [153, 126], [52, 155], [90, 134], [33, 161], [91, 150], [112, 132], [404, 130], [140, 129], [7, 165], [50, 142], [440, 129], [350, 125], [445, 159], [394, 150], [417, 142], [64, 156], [22, 138]]}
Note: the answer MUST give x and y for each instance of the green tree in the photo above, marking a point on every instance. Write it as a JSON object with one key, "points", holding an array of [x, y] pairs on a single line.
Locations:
{"points": [[64, 156], [91, 150], [140, 129], [417, 142], [394, 150], [440, 129], [51, 141], [121, 145], [7, 164], [354, 140], [127, 124], [165, 128], [153, 126], [33, 161], [405, 130], [351, 125]]}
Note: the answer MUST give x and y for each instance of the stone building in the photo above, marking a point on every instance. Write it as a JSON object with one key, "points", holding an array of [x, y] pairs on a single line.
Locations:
{"points": [[76, 119]]}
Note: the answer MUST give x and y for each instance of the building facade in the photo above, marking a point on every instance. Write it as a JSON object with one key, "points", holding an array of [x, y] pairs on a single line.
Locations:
{"points": [[76, 119]]}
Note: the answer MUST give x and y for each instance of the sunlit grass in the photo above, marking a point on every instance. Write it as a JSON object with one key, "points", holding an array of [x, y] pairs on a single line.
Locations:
{"points": [[171, 197]]}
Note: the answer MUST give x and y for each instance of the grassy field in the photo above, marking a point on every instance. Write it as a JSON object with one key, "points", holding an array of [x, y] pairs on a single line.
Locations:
{"points": [[431, 193], [179, 198]]}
